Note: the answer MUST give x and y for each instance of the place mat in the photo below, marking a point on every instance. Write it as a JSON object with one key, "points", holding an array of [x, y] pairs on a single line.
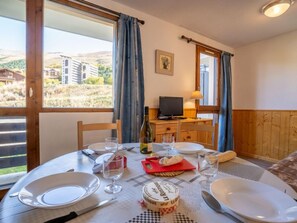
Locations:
{"points": [[241, 170], [169, 174], [147, 216], [153, 166]]}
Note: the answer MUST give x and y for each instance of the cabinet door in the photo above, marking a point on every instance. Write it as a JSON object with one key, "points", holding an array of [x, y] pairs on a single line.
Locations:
{"points": [[166, 128], [204, 137], [188, 136]]}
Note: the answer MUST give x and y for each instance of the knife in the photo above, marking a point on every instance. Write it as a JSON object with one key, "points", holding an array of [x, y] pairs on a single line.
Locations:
{"points": [[89, 153], [74, 214]]}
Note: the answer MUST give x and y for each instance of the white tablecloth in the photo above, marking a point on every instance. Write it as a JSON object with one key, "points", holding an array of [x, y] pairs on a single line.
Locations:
{"points": [[126, 208]]}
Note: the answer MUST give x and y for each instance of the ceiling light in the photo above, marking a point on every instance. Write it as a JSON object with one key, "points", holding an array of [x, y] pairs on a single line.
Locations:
{"points": [[276, 7]]}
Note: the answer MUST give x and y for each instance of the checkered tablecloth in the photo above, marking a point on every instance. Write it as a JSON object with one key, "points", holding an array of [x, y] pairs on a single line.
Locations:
{"points": [[127, 208]]}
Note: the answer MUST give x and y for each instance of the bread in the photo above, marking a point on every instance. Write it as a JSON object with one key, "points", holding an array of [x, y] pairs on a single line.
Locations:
{"points": [[226, 156]]}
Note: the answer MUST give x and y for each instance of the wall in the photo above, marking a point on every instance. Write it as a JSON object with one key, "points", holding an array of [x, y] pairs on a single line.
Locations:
{"points": [[58, 130], [264, 98], [266, 74]]}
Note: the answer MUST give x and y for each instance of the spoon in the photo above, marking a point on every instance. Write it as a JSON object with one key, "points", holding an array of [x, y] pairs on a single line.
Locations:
{"points": [[15, 194], [215, 205]]}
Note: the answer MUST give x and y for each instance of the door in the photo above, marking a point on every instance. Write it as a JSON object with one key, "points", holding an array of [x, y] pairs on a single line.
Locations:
{"points": [[18, 123]]}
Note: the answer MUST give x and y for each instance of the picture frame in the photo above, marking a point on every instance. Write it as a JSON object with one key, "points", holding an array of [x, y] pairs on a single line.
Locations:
{"points": [[164, 62]]}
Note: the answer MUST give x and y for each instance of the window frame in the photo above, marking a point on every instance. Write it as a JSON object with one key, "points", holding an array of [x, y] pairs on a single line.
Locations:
{"points": [[217, 54]]}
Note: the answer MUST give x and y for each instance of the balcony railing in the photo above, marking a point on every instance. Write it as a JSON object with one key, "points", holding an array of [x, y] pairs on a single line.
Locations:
{"points": [[13, 155]]}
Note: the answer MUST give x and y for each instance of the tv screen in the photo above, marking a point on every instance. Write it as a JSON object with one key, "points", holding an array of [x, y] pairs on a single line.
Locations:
{"points": [[171, 106]]}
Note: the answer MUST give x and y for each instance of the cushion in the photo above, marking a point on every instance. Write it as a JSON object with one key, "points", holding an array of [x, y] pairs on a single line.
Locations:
{"points": [[286, 169]]}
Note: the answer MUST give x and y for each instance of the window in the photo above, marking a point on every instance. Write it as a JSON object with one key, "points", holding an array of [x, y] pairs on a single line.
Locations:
{"points": [[83, 55], [208, 79]]}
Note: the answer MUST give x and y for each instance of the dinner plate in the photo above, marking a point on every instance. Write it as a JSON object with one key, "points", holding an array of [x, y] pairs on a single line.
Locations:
{"points": [[59, 190], [187, 147], [100, 147], [255, 200]]}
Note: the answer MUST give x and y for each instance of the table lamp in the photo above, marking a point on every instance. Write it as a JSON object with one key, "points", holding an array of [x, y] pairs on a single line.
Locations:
{"points": [[196, 95]]}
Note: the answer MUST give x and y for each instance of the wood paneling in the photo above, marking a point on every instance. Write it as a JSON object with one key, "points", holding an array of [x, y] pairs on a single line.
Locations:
{"points": [[266, 134]]}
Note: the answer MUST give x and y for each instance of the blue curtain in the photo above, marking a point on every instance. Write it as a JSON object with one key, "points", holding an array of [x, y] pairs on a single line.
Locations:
{"points": [[129, 80], [225, 117]]}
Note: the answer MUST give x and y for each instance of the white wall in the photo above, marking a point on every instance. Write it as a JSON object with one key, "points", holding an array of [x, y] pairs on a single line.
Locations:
{"points": [[265, 74], [58, 130]]}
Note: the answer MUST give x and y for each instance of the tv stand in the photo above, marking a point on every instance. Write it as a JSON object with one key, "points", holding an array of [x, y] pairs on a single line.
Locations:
{"points": [[171, 117], [161, 127]]}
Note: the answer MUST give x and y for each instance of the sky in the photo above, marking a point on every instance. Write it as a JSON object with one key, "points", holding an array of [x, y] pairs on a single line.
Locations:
{"points": [[13, 38]]}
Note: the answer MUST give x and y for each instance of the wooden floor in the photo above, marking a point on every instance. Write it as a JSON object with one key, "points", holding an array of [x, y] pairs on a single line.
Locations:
{"points": [[262, 163]]}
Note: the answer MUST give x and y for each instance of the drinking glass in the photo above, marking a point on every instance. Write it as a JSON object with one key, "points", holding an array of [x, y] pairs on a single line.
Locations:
{"points": [[111, 144], [208, 167], [168, 142], [113, 168]]}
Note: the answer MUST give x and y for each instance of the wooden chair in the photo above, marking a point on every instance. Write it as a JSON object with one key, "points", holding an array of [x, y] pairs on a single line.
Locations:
{"points": [[97, 126], [206, 135]]}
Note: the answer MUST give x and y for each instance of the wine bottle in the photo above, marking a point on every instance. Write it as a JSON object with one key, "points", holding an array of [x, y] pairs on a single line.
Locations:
{"points": [[146, 134]]}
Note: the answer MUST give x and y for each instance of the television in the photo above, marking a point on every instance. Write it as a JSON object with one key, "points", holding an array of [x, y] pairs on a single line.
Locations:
{"points": [[170, 107]]}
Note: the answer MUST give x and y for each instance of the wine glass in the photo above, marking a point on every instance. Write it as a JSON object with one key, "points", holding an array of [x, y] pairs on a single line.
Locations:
{"points": [[113, 168], [168, 142], [208, 167], [111, 144]]}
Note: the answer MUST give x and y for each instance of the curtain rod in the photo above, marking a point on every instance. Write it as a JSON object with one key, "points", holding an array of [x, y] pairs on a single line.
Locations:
{"points": [[105, 9], [189, 40]]}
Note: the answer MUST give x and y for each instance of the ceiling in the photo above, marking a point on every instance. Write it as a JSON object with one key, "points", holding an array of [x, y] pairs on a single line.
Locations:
{"points": [[232, 22]]}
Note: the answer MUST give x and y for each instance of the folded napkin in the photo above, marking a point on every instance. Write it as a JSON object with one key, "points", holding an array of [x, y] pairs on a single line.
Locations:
{"points": [[226, 156], [98, 164], [171, 160]]}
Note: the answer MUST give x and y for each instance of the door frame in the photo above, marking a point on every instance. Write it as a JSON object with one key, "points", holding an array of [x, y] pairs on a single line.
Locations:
{"points": [[34, 34]]}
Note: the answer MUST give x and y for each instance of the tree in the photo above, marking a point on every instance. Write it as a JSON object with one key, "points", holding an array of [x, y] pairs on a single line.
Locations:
{"points": [[94, 80]]}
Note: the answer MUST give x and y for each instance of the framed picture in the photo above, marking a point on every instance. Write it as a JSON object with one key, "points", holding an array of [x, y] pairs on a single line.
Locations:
{"points": [[164, 62]]}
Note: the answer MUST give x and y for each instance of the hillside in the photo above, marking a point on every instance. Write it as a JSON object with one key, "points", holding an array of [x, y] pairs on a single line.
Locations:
{"points": [[16, 59]]}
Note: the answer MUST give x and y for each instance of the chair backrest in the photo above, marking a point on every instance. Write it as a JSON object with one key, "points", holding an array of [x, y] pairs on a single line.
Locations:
{"points": [[95, 127], [207, 135]]}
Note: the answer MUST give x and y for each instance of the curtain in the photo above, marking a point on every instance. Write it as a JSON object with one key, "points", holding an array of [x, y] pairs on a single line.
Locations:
{"points": [[225, 117], [129, 80]]}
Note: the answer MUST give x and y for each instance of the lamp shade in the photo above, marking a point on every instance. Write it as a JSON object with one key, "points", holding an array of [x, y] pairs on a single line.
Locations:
{"points": [[196, 95], [276, 7]]}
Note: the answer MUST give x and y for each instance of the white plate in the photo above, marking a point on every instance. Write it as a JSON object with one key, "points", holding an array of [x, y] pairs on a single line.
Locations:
{"points": [[187, 147], [100, 147], [255, 200], [59, 190]]}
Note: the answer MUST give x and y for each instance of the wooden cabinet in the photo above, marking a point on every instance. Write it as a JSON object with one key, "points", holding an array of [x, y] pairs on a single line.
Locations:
{"points": [[161, 127]]}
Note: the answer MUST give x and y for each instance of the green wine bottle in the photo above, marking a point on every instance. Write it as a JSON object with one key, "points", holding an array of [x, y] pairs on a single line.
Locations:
{"points": [[146, 134]]}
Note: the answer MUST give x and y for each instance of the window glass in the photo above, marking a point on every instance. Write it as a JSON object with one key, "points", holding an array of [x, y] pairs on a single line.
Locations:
{"points": [[79, 47], [12, 54], [208, 79]]}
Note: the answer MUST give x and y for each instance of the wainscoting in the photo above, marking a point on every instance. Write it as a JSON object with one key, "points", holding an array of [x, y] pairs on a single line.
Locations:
{"points": [[265, 134]]}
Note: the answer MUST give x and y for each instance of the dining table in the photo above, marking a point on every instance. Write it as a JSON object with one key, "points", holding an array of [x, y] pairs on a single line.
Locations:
{"points": [[127, 207]]}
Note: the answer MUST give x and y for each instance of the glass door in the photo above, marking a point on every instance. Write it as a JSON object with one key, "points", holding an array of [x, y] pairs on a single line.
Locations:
{"points": [[13, 142]]}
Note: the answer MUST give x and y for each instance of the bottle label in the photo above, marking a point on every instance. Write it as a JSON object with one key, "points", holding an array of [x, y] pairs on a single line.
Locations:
{"points": [[146, 148]]}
